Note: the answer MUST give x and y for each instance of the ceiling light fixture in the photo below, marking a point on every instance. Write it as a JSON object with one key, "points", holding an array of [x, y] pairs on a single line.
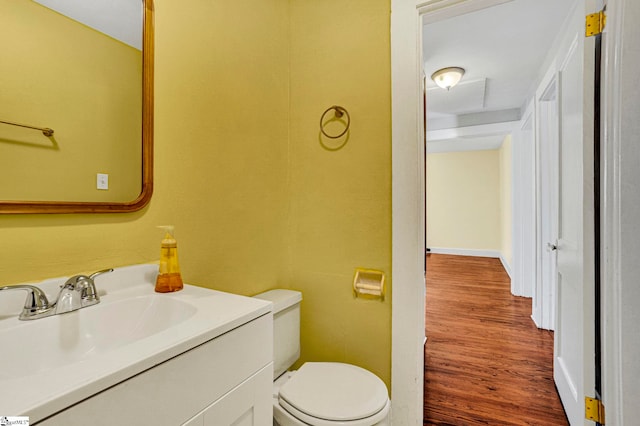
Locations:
{"points": [[447, 77]]}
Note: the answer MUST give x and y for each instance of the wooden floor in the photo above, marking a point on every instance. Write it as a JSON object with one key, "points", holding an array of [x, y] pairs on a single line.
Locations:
{"points": [[486, 363]]}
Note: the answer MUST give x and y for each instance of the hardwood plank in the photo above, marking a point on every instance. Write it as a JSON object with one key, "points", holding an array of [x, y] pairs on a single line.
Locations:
{"points": [[486, 363]]}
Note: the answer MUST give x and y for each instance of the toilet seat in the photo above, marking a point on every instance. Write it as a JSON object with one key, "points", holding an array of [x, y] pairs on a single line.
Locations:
{"points": [[281, 412], [330, 393]]}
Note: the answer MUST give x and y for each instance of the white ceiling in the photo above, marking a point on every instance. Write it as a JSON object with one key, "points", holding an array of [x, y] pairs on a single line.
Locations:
{"points": [[119, 19], [502, 49]]}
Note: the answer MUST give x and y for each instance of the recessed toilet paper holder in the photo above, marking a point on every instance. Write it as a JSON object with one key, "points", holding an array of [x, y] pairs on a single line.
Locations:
{"points": [[368, 283]]}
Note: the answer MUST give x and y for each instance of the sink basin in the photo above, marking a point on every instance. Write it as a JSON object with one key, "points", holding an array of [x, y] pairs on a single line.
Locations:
{"points": [[78, 335], [52, 363]]}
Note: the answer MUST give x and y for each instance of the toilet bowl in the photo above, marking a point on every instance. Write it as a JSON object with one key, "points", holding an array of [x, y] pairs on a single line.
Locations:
{"points": [[318, 393]]}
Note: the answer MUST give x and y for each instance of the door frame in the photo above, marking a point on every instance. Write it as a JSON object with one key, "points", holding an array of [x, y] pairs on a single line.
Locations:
{"points": [[408, 193], [613, 227], [523, 176], [544, 303], [407, 373]]}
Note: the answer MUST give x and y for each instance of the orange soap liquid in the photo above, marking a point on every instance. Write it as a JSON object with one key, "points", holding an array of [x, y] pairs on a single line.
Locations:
{"points": [[166, 283]]}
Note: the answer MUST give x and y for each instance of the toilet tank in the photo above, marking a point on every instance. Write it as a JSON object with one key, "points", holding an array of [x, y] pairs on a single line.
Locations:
{"points": [[286, 327]]}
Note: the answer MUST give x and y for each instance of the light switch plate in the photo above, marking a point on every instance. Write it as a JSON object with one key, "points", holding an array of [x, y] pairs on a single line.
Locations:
{"points": [[102, 181]]}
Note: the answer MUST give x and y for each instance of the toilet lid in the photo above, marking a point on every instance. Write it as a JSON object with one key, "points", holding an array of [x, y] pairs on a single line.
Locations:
{"points": [[335, 391]]}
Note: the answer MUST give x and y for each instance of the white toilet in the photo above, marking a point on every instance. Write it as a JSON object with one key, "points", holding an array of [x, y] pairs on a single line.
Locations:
{"points": [[318, 393]]}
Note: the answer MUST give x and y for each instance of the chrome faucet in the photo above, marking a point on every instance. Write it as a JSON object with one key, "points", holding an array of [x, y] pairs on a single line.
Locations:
{"points": [[36, 306], [77, 292]]}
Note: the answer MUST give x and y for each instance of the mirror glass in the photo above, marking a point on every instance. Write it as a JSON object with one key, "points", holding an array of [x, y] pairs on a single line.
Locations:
{"points": [[72, 103]]}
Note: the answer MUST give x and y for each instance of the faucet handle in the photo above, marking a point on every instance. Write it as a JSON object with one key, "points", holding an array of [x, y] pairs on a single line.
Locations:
{"points": [[90, 293], [85, 285], [95, 274], [36, 303], [35, 297], [82, 280]]}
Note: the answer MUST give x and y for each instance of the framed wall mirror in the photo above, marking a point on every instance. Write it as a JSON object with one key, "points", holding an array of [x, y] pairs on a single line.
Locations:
{"points": [[76, 106]]}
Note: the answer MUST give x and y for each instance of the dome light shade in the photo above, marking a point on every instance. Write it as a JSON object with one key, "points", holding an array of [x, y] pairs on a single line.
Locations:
{"points": [[447, 77]]}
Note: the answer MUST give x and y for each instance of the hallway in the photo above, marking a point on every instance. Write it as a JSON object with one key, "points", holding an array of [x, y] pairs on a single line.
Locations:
{"points": [[485, 360]]}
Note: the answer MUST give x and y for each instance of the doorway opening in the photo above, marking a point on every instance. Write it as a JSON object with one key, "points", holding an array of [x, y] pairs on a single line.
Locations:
{"points": [[491, 188]]}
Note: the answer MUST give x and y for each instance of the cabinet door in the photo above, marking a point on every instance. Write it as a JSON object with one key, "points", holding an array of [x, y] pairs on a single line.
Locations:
{"points": [[248, 404]]}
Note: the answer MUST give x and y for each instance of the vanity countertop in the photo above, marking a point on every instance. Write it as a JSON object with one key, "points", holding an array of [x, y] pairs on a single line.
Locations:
{"points": [[52, 363]]}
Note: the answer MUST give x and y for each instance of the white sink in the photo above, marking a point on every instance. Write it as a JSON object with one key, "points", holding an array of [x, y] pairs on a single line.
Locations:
{"points": [[51, 363], [95, 330]]}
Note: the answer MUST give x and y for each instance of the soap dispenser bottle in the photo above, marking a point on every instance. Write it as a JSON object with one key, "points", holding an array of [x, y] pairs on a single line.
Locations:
{"points": [[169, 278]]}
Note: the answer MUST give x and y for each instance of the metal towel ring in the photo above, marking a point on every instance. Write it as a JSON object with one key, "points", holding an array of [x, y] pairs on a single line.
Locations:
{"points": [[340, 111]]}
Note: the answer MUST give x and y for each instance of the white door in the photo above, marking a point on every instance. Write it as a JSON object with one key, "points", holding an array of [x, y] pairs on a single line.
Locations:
{"points": [[545, 295], [574, 335]]}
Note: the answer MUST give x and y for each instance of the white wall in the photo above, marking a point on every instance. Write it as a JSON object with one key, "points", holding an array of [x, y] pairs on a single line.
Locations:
{"points": [[506, 202], [523, 190]]}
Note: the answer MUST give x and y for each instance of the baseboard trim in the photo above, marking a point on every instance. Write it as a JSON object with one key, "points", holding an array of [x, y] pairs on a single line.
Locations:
{"points": [[465, 252], [506, 266], [473, 252]]}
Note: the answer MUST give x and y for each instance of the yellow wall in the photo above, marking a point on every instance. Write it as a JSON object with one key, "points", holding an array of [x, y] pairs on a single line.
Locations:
{"points": [[469, 200], [341, 199], [257, 202], [506, 219], [221, 129], [463, 200], [85, 85]]}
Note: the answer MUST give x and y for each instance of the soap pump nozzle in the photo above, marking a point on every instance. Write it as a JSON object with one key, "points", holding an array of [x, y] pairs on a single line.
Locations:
{"points": [[169, 278]]}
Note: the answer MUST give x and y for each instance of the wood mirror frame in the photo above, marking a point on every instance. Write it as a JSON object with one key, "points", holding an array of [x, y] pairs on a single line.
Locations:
{"points": [[147, 147]]}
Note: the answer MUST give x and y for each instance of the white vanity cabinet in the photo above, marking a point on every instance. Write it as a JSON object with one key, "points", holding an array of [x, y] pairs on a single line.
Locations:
{"points": [[224, 381], [242, 406]]}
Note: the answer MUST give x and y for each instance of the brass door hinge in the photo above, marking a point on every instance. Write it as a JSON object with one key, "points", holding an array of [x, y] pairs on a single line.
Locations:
{"points": [[594, 410], [595, 23]]}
